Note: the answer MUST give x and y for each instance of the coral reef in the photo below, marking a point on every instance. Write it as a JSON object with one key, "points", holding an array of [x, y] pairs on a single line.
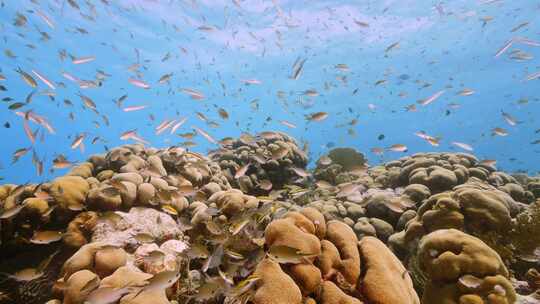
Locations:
{"points": [[250, 224], [273, 159]]}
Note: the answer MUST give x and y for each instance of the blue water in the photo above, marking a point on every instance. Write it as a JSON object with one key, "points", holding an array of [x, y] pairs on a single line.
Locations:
{"points": [[214, 45]]}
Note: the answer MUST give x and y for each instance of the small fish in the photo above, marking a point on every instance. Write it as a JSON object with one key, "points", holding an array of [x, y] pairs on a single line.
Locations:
{"points": [[78, 141], [163, 280], [533, 76], [60, 162], [287, 124], [391, 47], [154, 256], [139, 83], [361, 23], [223, 114], [398, 148], [377, 151], [241, 171], [318, 116], [508, 118], [193, 93], [178, 125], [201, 116], [463, 146], [44, 80], [505, 47], [325, 160], [237, 226], [19, 153], [288, 255], [279, 153], [466, 92], [297, 68], [28, 132], [205, 135], [251, 81], [45, 18], [300, 172], [16, 105], [9, 213], [499, 131], [82, 60], [46, 237], [134, 108], [471, 282], [164, 125], [132, 134], [431, 99], [488, 162], [88, 102], [515, 29], [244, 285], [265, 185], [311, 93], [73, 4], [342, 67], [20, 20], [27, 78], [144, 237], [27, 274]]}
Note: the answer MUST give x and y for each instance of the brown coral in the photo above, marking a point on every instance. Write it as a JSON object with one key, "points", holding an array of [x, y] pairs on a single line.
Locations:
{"points": [[461, 268]]}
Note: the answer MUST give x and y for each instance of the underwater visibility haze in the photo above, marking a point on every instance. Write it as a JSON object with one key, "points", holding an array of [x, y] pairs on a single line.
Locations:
{"points": [[428, 75], [270, 151]]}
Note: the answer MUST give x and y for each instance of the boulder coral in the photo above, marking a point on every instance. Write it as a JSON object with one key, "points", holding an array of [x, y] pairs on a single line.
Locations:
{"points": [[271, 155], [462, 269], [338, 269]]}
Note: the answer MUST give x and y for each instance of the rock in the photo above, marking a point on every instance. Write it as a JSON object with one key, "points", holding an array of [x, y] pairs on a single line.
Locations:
{"points": [[123, 232]]}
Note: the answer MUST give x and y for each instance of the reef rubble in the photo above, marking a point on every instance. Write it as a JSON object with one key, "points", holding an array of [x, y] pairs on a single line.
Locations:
{"points": [[249, 223]]}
